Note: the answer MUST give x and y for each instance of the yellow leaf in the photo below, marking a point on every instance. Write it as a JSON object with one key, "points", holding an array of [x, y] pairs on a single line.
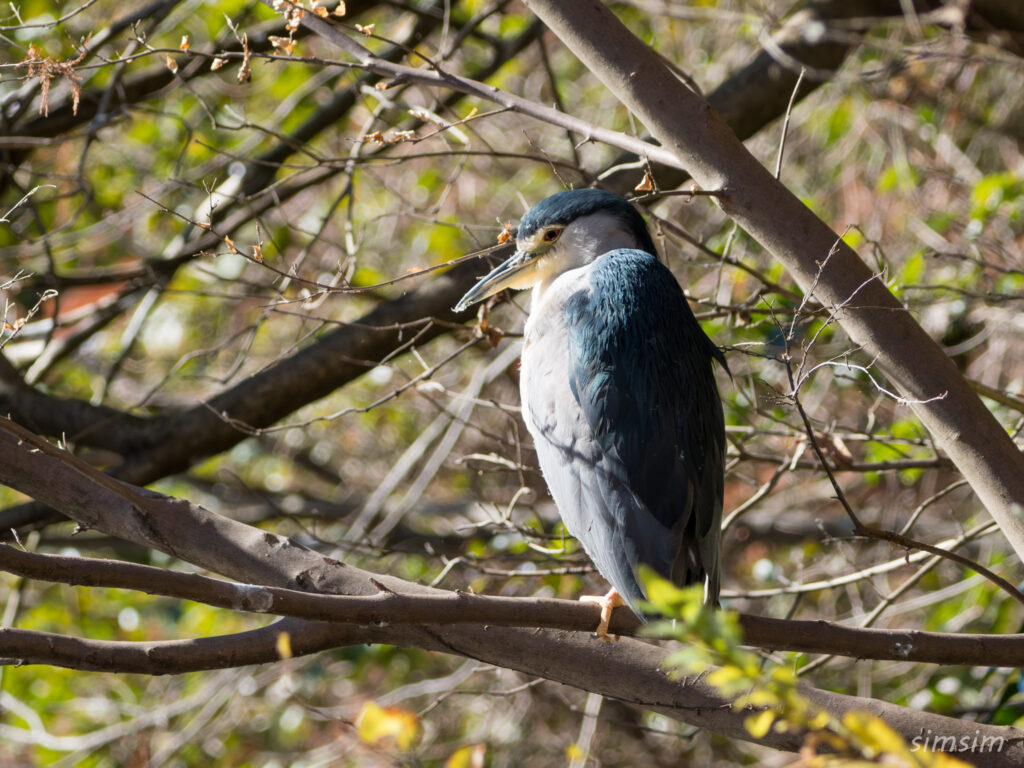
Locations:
{"points": [[573, 752], [757, 725], [759, 697], [879, 738], [875, 734], [784, 675], [472, 756], [943, 760], [376, 724], [184, 43], [724, 676], [818, 721], [284, 645]]}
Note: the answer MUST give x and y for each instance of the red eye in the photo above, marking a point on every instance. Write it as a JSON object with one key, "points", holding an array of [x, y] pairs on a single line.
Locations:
{"points": [[551, 235]]}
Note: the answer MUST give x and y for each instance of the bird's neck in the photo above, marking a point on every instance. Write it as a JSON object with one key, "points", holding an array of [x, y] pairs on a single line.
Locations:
{"points": [[579, 248], [555, 287]]}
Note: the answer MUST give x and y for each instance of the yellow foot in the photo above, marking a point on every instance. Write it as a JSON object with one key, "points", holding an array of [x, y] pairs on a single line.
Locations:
{"points": [[608, 603]]}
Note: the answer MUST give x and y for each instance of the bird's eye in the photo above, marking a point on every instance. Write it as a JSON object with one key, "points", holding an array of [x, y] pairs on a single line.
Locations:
{"points": [[551, 235]]}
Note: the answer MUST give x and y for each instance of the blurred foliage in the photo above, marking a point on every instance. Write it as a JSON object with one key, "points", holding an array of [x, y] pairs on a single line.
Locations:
{"points": [[913, 152], [712, 646]]}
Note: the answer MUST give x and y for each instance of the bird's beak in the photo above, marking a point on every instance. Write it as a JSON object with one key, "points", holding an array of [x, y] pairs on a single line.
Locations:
{"points": [[517, 272]]}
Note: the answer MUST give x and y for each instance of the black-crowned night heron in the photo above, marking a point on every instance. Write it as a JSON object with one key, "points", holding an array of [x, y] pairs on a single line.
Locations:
{"points": [[618, 393]]}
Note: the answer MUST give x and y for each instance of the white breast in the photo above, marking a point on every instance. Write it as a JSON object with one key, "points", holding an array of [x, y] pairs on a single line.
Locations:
{"points": [[552, 415]]}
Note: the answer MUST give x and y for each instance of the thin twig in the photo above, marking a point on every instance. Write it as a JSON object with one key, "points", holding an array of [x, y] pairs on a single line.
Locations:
{"points": [[785, 122]]}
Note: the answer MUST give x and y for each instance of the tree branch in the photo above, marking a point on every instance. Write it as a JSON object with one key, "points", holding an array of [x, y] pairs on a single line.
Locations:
{"points": [[629, 670], [390, 606]]}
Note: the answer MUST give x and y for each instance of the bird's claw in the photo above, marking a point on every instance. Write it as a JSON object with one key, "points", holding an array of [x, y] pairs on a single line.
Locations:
{"points": [[608, 603]]}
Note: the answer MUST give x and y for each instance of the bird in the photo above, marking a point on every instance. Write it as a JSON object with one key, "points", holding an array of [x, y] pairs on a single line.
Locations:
{"points": [[618, 393]]}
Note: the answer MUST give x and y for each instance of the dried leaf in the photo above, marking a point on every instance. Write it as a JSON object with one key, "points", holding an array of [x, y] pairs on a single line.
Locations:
{"points": [[172, 64], [285, 44], [367, 30], [230, 244], [184, 43], [294, 18], [809, 749], [394, 137], [646, 185], [321, 12], [506, 233], [217, 63], [245, 71], [493, 333], [340, 10], [427, 116], [45, 68], [257, 253]]}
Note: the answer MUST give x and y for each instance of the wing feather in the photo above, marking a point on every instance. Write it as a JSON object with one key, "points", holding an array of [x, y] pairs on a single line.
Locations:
{"points": [[640, 368]]}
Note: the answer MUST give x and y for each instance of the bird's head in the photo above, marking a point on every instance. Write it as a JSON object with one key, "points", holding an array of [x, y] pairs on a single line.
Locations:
{"points": [[565, 231]]}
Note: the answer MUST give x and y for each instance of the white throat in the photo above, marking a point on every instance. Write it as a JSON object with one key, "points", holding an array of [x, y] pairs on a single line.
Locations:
{"points": [[580, 244]]}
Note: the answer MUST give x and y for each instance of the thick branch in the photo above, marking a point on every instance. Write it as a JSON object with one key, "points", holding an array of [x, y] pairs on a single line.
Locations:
{"points": [[387, 607], [629, 670]]}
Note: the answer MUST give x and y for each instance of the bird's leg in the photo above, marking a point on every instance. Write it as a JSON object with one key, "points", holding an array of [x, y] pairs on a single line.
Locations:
{"points": [[608, 603]]}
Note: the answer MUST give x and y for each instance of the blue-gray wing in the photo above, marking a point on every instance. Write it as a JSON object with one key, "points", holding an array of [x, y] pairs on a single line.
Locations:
{"points": [[640, 368]]}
